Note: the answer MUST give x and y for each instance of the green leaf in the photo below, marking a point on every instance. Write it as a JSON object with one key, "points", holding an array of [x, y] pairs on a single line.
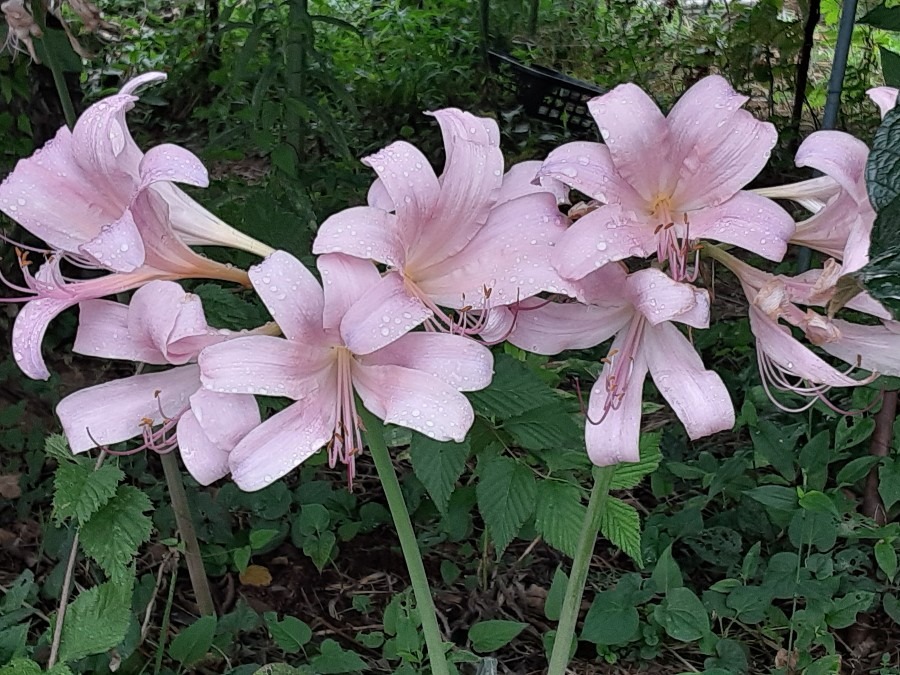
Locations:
{"points": [[320, 548], [279, 669], [775, 497], [683, 615], [890, 66], [80, 492], [192, 643], [489, 636], [226, 308], [514, 390], [114, 533], [560, 515], [827, 665], [856, 470], [506, 498], [776, 447], [555, 596], [844, 610], [438, 466], [882, 16], [889, 482], [847, 436], [291, 634], [666, 575], [886, 557], [97, 620], [333, 659], [620, 523], [261, 538], [549, 427], [891, 606], [628, 474], [613, 618]]}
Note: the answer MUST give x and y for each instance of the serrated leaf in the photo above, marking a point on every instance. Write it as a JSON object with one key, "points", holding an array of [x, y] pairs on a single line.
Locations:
{"points": [[560, 515], [192, 643], [514, 390], [549, 427], [225, 308], [506, 498], [620, 523], [438, 466], [97, 620], [57, 447], [112, 535], [79, 491], [489, 636], [628, 474]]}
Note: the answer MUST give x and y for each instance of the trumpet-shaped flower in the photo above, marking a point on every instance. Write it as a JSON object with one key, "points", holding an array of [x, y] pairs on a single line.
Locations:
{"points": [[638, 309], [884, 97], [350, 337], [665, 182], [469, 239], [77, 193], [163, 325], [48, 292]]}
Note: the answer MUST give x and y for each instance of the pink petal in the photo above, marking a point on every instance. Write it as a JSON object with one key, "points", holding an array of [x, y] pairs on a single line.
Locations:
{"points": [[409, 180], [264, 365], [292, 295], [363, 232], [118, 246], [746, 220], [378, 196], [139, 81], [698, 396], [511, 256], [458, 124], [660, 298], [172, 163], [522, 179], [204, 460], [637, 136], [601, 237], [382, 315], [884, 97], [811, 194], [225, 418], [617, 437], [161, 313], [499, 323], [555, 327], [874, 348], [115, 411], [721, 147], [840, 156], [458, 361], [103, 332], [828, 230], [414, 399], [588, 167], [604, 286], [345, 281], [29, 330], [284, 441], [793, 356]]}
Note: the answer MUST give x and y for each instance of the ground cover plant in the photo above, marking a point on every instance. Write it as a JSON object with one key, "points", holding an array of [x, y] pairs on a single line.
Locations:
{"points": [[504, 396]]}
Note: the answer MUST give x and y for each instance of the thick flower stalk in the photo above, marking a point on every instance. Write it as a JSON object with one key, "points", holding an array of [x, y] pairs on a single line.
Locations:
{"points": [[346, 337], [469, 240], [163, 326], [665, 182], [638, 309]]}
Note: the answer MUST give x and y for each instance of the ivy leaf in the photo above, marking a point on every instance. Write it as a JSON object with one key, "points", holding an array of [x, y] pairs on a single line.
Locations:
{"points": [[438, 465], [506, 498], [620, 523], [290, 634], [514, 390], [80, 491], [113, 534], [192, 644], [628, 474], [560, 515], [97, 620]]}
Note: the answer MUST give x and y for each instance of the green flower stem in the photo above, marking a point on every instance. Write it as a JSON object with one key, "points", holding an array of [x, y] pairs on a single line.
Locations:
{"points": [[559, 658], [59, 78], [424, 602], [175, 483]]}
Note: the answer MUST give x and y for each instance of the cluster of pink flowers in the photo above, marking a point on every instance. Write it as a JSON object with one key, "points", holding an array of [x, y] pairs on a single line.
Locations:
{"points": [[416, 284]]}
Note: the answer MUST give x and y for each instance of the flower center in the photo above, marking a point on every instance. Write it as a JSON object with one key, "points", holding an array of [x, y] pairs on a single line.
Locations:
{"points": [[620, 366], [346, 442], [669, 246]]}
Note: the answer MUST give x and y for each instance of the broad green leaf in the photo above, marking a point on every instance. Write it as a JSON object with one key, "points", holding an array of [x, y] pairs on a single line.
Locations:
{"points": [[613, 618], [227, 308], [114, 533], [848, 435], [882, 16], [775, 497], [438, 466], [320, 548], [856, 470], [560, 515], [891, 606], [549, 427], [886, 557], [666, 575], [890, 66], [80, 491], [192, 643], [730, 658], [291, 634], [334, 659], [97, 620], [844, 610], [813, 528], [628, 474], [506, 498], [555, 596], [261, 538], [889, 482], [514, 390], [683, 615], [827, 665], [620, 523], [489, 636], [29, 667], [278, 669], [883, 169], [776, 447]]}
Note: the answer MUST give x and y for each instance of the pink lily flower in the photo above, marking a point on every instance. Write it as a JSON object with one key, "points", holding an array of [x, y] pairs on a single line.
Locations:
{"points": [[351, 336], [471, 239], [49, 292], [77, 193], [163, 325], [665, 182], [638, 309], [884, 97]]}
